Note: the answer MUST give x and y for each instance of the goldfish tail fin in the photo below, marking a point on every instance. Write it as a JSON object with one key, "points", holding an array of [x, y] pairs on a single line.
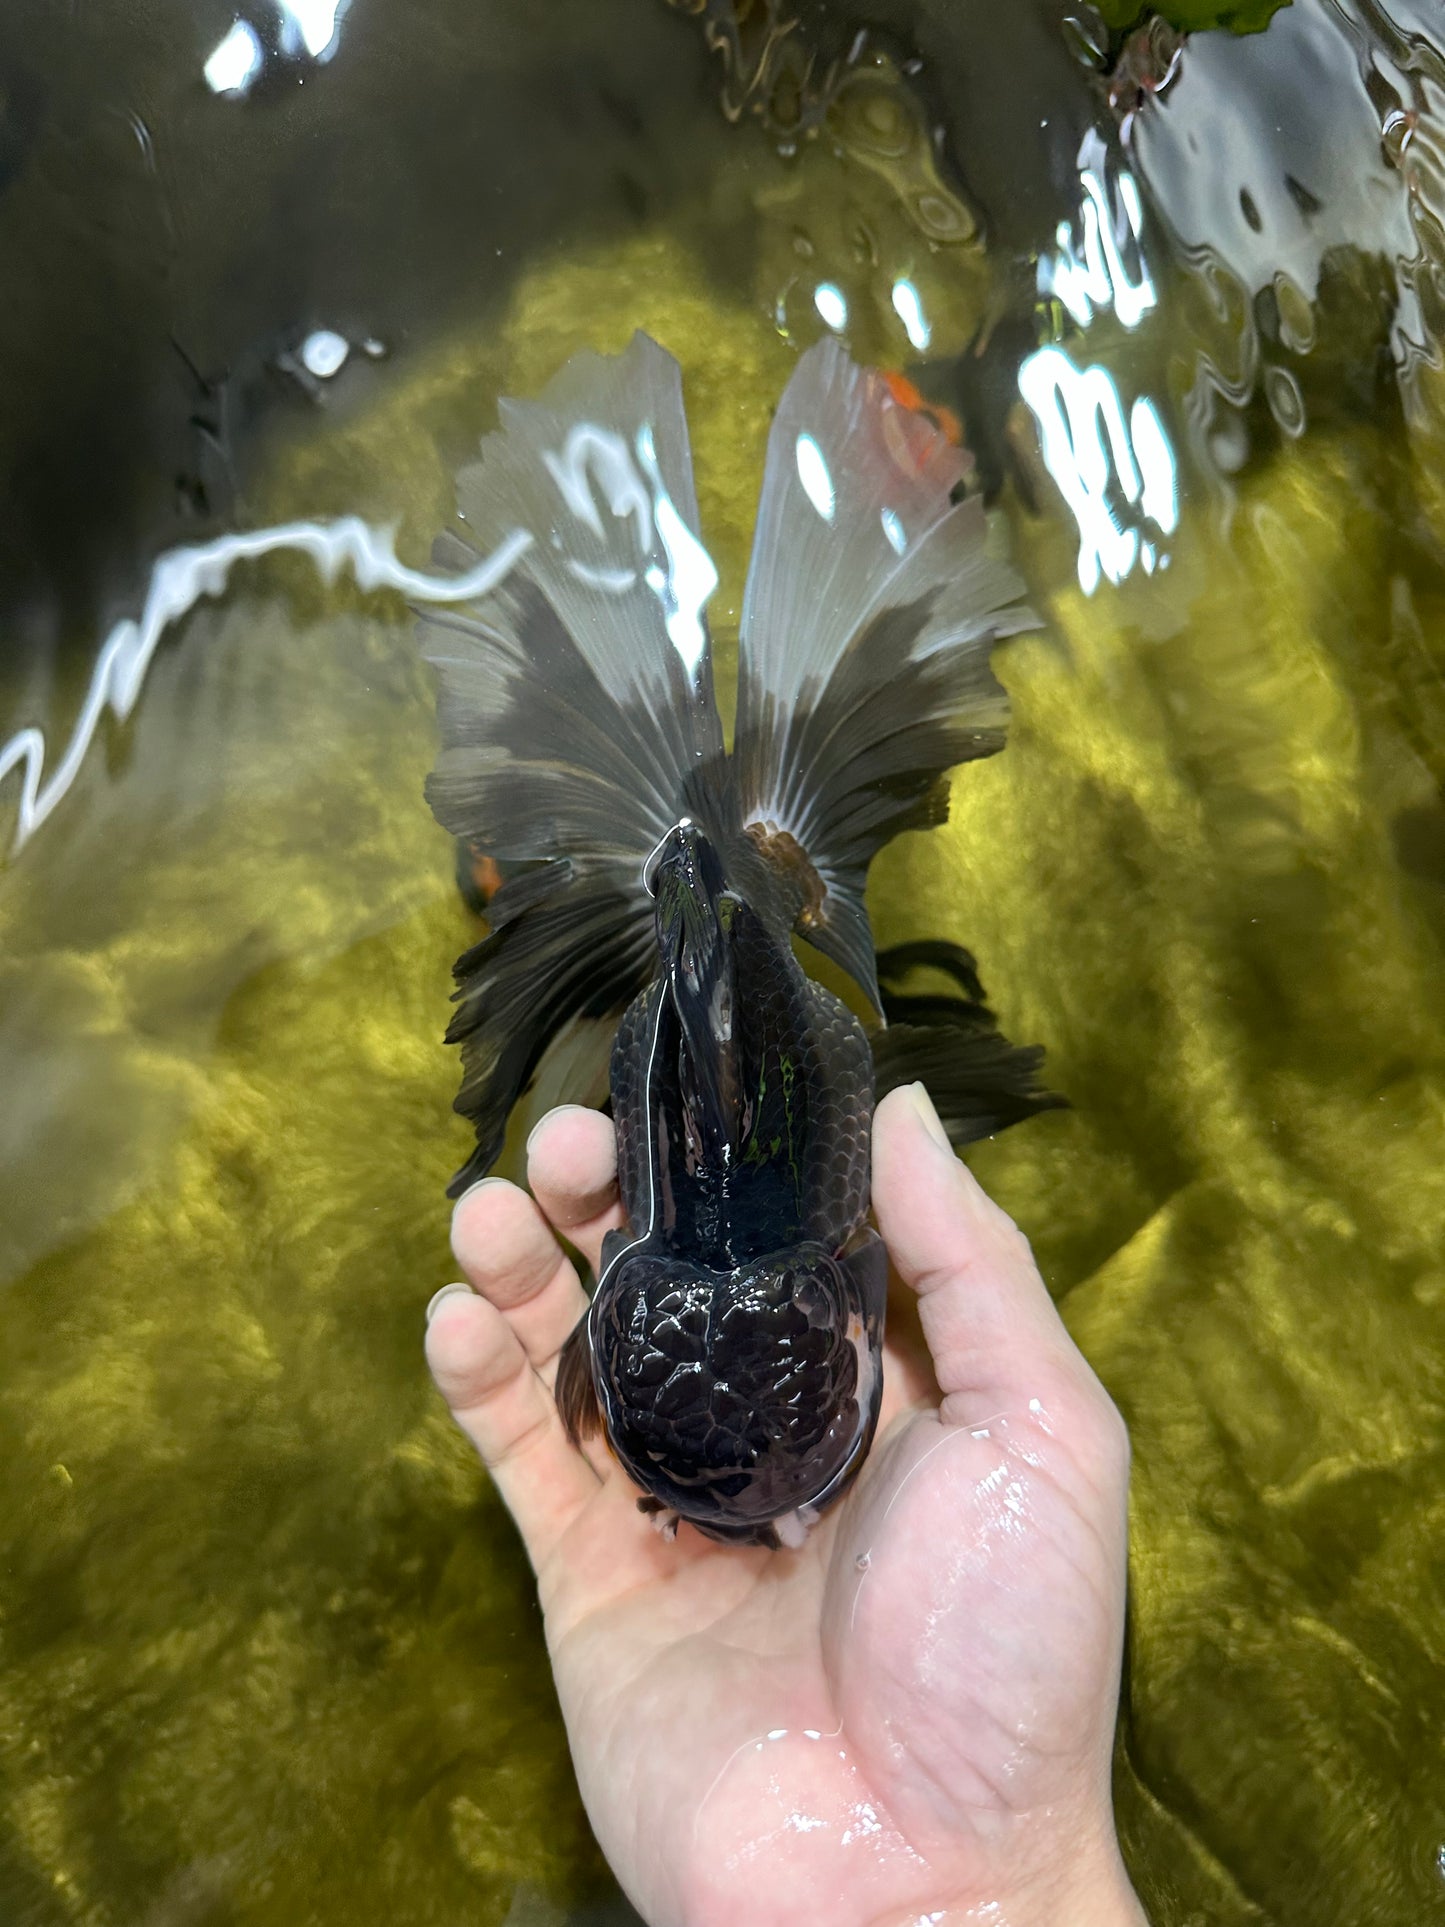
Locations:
{"points": [[576, 709], [872, 606], [951, 1044]]}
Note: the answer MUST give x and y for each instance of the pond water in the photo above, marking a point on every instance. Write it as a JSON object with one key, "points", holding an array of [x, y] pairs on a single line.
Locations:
{"points": [[268, 1650]]}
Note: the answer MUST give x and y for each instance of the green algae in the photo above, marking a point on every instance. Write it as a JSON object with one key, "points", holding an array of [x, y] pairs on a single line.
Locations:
{"points": [[1194, 16]]}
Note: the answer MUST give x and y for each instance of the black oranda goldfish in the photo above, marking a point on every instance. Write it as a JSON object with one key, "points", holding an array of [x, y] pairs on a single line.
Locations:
{"points": [[651, 879]]}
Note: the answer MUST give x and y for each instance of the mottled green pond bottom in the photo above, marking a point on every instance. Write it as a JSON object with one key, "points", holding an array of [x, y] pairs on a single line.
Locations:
{"points": [[268, 1652]]}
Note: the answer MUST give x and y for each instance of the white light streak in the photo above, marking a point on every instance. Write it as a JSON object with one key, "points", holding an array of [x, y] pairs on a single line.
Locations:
{"points": [[689, 579], [235, 61], [1160, 497], [1089, 449], [183, 577], [602, 452], [1095, 276], [813, 474], [314, 23], [832, 304], [909, 309], [684, 578], [893, 529]]}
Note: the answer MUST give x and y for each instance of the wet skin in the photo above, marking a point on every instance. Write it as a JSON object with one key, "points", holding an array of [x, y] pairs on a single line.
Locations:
{"points": [[910, 1718]]}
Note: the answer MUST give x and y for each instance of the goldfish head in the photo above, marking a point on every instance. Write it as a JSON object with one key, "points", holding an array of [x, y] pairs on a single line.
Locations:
{"points": [[694, 907]]}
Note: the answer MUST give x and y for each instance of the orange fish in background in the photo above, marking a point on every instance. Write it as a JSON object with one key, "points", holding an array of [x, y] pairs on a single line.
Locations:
{"points": [[479, 875], [907, 395]]}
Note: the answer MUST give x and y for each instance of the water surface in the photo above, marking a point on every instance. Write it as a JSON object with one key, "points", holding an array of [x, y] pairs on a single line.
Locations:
{"points": [[268, 1652]]}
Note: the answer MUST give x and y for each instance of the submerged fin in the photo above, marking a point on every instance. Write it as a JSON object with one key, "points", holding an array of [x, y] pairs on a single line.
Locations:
{"points": [[576, 708], [978, 1080], [576, 1394], [559, 948], [599, 471], [871, 608]]}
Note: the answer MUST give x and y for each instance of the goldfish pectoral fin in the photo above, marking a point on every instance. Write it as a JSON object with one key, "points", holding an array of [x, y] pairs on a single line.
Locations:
{"points": [[661, 1518], [865, 1259], [979, 1082], [950, 1042], [871, 609], [557, 949], [577, 1403]]}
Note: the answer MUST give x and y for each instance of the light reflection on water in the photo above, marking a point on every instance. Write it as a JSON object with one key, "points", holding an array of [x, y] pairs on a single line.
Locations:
{"points": [[235, 60], [1208, 873], [1092, 274], [309, 27], [1095, 455], [179, 581]]}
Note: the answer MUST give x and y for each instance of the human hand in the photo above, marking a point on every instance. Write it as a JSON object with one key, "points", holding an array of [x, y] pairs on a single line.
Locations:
{"points": [[908, 1721]]}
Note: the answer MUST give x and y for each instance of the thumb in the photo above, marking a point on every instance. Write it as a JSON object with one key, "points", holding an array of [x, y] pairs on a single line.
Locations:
{"points": [[996, 1339]]}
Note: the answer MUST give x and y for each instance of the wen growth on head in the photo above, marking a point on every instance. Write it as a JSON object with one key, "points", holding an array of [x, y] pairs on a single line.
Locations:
{"points": [[732, 1351]]}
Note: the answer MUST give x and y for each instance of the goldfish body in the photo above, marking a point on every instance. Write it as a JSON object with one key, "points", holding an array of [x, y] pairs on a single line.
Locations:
{"points": [[732, 1351]]}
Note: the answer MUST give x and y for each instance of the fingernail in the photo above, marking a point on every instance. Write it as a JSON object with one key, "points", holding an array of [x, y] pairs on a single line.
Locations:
{"points": [[928, 1117], [439, 1298], [543, 1122], [472, 1190]]}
